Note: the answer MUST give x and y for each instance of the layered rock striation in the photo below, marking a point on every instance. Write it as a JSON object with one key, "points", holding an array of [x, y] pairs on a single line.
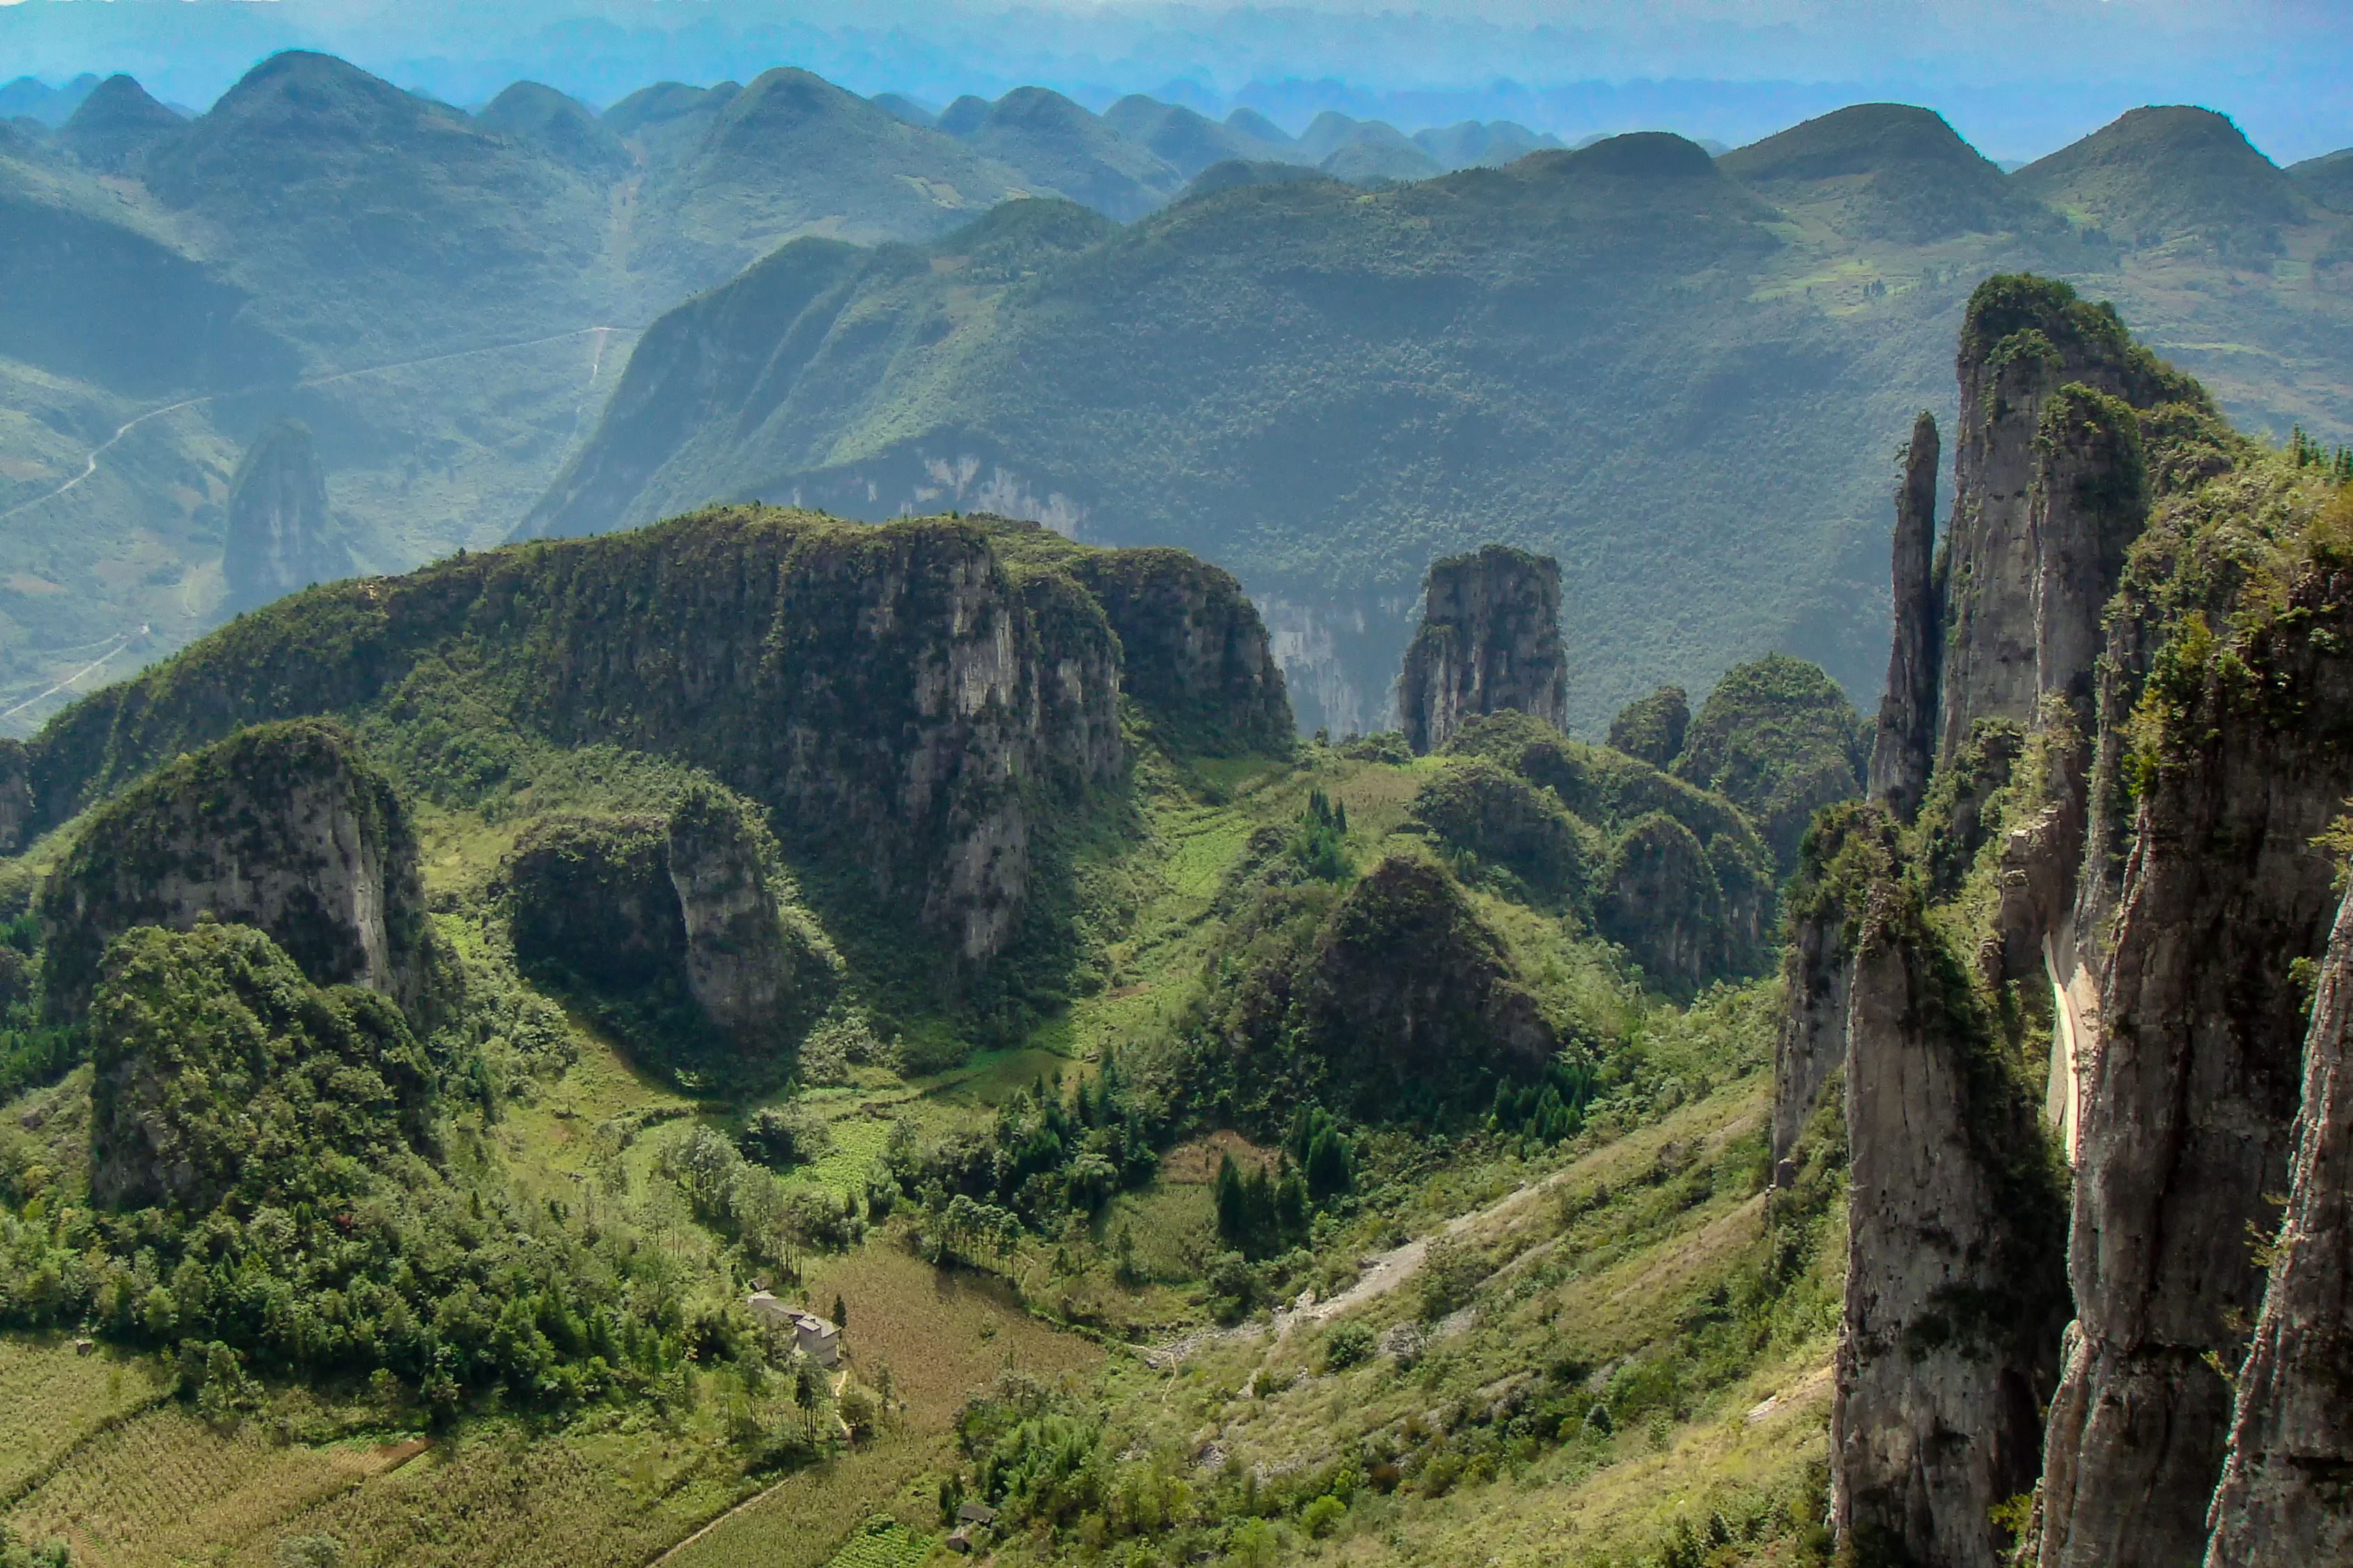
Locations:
{"points": [[1954, 1297], [2119, 718], [906, 702], [2283, 1501], [1904, 749], [1489, 640], [284, 828], [2189, 1089]]}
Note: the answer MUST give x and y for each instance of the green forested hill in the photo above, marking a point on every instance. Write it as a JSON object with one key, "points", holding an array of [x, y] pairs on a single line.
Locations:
{"points": [[437, 1012], [1681, 378], [1681, 381]]}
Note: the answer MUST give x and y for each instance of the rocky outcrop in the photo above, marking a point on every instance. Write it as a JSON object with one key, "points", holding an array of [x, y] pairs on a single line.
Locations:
{"points": [[906, 702], [2144, 725], [1652, 727], [285, 827], [281, 537], [2285, 1499], [2049, 491], [1905, 747], [1194, 651], [1846, 850], [16, 796], [680, 918], [2190, 1098], [1489, 640], [1415, 987], [1954, 1297]]}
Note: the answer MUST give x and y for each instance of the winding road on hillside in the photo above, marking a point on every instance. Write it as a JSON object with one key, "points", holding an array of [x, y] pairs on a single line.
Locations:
{"points": [[89, 464], [124, 640]]}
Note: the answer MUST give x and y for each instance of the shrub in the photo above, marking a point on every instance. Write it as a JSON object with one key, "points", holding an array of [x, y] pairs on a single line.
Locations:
{"points": [[1346, 1344]]}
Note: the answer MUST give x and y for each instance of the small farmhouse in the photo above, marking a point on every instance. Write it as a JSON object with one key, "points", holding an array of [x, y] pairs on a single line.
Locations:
{"points": [[812, 1335]]}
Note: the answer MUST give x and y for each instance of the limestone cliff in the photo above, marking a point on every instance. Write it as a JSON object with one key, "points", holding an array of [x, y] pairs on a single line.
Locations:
{"points": [[677, 919], [1489, 640], [2190, 1097], [285, 827], [907, 703], [2284, 1500], [1905, 746], [2142, 724], [1846, 850], [281, 536], [1954, 1297], [1196, 653], [2049, 491], [16, 796]]}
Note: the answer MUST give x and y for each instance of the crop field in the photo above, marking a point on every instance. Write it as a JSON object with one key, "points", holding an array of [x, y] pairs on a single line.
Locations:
{"points": [[164, 1487], [498, 1498], [939, 1337], [52, 1400]]}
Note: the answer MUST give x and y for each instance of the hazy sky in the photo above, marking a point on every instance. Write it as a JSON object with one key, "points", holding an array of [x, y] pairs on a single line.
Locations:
{"points": [[2018, 77]]}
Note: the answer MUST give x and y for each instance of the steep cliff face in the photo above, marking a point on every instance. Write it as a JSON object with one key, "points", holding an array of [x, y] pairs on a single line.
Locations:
{"points": [[16, 796], [1196, 653], [2048, 494], [2284, 1499], [1844, 853], [285, 827], [908, 701], [1489, 640], [2143, 724], [1905, 746], [677, 919], [742, 969], [1954, 1296], [281, 537], [2190, 1095]]}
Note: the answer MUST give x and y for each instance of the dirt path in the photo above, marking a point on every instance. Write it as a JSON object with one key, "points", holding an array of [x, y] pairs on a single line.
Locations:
{"points": [[1381, 1273]]}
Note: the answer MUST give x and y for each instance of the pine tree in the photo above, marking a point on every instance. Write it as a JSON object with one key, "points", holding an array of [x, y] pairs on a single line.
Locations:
{"points": [[840, 1312]]}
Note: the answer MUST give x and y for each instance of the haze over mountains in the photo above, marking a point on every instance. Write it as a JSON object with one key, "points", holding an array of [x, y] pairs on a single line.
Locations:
{"points": [[1322, 360]]}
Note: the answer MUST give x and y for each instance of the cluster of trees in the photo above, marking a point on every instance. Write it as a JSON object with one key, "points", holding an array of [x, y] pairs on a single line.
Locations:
{"points": [[2337, 463], [1265, 1209], [1320, 842], [281, 1203], [1043, 1461], [1046, 1157], [1549, 1110]]}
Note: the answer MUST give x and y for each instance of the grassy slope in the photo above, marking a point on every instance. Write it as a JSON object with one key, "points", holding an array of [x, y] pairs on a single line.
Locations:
{"points": [[128, 1480]]}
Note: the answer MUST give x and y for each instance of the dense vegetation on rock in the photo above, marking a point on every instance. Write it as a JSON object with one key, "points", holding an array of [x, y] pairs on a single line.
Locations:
{"points": [[429, 1164], [2113, 884]]}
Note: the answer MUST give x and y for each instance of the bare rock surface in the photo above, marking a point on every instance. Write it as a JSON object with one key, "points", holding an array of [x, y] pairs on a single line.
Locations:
{"points": [[1490, 639]]}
